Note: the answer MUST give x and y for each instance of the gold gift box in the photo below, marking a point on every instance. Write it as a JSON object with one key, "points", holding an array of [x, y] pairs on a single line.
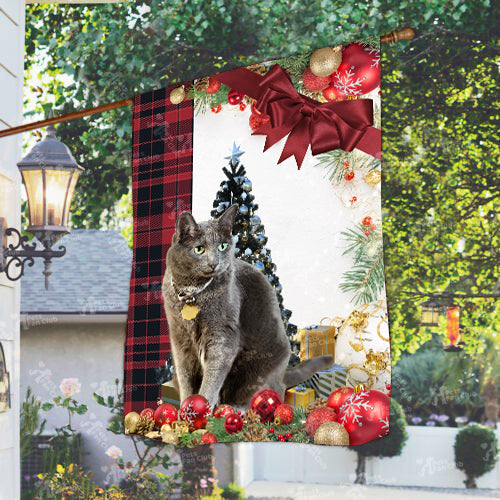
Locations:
{"points": [[317, 341], [169, 394], [299, 396]]}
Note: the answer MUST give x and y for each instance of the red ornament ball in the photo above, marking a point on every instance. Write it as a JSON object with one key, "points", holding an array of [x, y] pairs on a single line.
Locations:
{"points": [[271, 430], [233, 423], [365, 416], [264, 403], [388, 387], [234, 97], [367, 221], [222, 411], [389, 394], [213, 86], [208, 438], [313, 82], [332, 93], [288, 435], [195, 410], [367, 232], [285, 412], [148, 413], [359, 72], [338, 397], [165, 414], [257, 121], [243, 106], [317, 417], [349, 176], [216, 109]]}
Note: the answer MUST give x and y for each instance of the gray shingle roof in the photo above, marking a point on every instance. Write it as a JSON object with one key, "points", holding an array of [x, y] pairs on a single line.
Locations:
{"points": [[92, 278]]}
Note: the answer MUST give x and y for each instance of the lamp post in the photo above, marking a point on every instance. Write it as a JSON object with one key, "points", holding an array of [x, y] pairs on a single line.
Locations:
{"points": [[50, 173]]}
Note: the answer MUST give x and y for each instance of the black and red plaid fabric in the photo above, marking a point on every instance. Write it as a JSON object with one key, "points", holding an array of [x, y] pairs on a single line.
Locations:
{"points": [[162, 172]]}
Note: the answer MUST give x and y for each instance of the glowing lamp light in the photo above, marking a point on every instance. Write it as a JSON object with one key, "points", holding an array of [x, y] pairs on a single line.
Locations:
{"points": [[453, 328]]}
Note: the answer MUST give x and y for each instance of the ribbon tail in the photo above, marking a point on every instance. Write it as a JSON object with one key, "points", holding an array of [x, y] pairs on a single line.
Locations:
{"points": [[371, 142], [297, 143]]}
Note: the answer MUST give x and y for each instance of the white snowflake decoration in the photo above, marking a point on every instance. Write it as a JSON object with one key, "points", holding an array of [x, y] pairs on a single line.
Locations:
{"points": [[352, 407], [346, 82], [375, 53], [190, 414], [384, 429]]}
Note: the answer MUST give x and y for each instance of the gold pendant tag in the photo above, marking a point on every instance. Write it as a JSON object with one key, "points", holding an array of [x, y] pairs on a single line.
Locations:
{"points": [[189, 311]]}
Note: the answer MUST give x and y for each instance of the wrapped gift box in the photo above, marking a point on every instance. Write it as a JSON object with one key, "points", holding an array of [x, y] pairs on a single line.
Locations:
{"points": [[169, 394], [299, 396], [316, 341], [325, 381]]}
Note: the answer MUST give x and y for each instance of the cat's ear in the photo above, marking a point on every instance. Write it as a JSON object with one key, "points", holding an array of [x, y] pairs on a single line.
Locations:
{"points": [[185, 225], [226, 220]]}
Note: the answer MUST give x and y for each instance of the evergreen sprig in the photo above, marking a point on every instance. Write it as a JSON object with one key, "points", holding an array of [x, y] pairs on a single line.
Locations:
{"points": [[333, 162], [204, 102], [366, 278], [371, 41], [295, 65]]}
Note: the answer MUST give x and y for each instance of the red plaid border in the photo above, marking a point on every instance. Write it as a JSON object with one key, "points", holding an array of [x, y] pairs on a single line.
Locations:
{"points": [[162, 171]]}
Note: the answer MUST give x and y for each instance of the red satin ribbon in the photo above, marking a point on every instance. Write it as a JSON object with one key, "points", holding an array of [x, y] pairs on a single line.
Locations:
{"points": [[323, 126]]}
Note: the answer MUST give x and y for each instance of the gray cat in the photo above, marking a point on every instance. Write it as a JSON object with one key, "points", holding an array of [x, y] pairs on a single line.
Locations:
{"points": [[226, 333]]}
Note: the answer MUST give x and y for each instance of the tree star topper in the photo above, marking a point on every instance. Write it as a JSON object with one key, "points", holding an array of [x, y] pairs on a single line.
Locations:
{"points": [[234, 154]]}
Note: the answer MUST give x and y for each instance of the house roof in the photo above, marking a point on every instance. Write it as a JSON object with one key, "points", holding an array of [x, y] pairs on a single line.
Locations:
{"points": [[92, 278]]}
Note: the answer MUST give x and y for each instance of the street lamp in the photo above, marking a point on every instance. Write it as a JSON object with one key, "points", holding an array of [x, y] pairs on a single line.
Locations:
{"points": [[429, 313], [50, 173]]}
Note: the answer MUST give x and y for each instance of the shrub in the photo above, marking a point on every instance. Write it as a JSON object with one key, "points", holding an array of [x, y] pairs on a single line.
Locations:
{"points": [[476, 452]]}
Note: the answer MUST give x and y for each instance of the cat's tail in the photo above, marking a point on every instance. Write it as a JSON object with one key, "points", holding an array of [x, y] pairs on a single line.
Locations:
{"points": [[305, 370]]}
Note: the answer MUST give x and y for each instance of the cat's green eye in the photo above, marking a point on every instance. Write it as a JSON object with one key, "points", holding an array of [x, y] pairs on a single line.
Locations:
{"points": [[222, 246], [199, 250]]}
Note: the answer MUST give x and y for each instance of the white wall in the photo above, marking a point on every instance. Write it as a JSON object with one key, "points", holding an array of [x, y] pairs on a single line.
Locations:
{"points": [[91, 352], [11, 88], [427, 460]]}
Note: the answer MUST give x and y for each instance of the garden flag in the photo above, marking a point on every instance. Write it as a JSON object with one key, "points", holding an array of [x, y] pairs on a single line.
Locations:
{"points": [[257, 297]]}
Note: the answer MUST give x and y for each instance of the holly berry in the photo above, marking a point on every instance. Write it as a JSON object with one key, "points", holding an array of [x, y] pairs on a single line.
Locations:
{"points": [[288, 435], [389, 393], [213, 86], [367, 221], [346, 163], [388, 387], [243, 106], [349, 176], [367, 232], [216, 109], [354, 199], [373, 226], [271, 430]]}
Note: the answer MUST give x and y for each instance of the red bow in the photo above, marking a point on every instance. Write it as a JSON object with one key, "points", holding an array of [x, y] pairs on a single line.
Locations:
{"points": [[324, 126]]}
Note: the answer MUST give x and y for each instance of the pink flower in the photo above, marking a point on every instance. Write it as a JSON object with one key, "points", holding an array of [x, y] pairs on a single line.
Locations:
{"points": [[114, 452], [70, 387]]}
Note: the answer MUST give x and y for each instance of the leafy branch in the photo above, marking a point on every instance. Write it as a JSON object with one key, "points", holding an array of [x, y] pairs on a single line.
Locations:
{"points": [[366, 278]]}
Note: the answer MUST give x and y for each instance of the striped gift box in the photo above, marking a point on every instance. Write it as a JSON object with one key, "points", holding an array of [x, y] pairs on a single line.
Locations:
{"points": [[325, 381]]}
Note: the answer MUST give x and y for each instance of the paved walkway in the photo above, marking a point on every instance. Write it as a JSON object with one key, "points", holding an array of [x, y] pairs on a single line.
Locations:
{"points": [[282, 490]]}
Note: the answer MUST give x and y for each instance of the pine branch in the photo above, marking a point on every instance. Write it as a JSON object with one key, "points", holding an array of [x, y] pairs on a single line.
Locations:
{"points": [[372, 41], [295, 65], [366, 278], [204, 102], [337, 162]]}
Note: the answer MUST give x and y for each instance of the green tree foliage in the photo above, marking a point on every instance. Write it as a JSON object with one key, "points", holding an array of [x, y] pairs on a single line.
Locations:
{"points": [[440, 183], [476, 452], [438, 107]]}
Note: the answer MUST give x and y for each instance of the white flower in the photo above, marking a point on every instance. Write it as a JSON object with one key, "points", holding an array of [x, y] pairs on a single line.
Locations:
{"points": [[70, 386], [114, 452]]}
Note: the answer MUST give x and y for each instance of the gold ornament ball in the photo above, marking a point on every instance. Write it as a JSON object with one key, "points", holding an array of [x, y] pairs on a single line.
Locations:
{"points": [[131, 419], [325, 61], [373, 178], [177, 95], [331, 433], [170, 437]]}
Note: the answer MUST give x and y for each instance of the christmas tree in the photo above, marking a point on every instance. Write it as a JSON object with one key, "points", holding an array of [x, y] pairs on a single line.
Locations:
{"points": [[249, 233]]}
